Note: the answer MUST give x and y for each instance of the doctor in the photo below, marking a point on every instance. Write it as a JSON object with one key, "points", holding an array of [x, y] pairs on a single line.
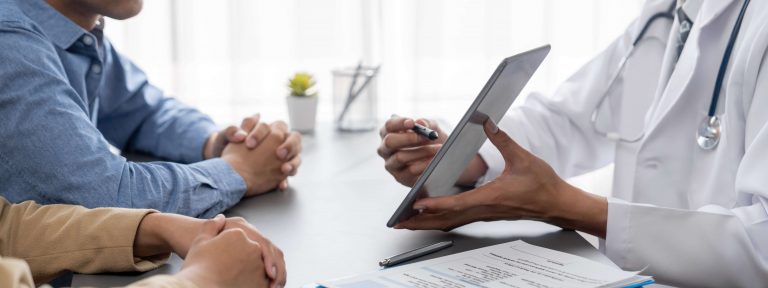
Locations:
{"points": [[685, 122]]}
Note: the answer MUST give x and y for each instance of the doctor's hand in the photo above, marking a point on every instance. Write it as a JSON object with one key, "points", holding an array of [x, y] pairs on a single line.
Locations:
{"points": [[407, 154], [527, 189], [268, 165]]}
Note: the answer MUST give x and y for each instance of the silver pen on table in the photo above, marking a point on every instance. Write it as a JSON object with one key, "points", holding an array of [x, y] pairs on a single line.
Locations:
{"points": [[413, 254]]}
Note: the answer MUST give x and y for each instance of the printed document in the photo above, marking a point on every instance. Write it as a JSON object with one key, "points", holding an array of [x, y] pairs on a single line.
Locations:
{"points": [[513, 264]]}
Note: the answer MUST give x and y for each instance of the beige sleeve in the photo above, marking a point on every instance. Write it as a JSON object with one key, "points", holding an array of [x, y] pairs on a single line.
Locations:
{"points": [[57, 238], [163, 281], [14, 273]]}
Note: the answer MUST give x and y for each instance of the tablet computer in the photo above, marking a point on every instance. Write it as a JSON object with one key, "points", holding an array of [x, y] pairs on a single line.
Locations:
{"points": [[439, 179]]}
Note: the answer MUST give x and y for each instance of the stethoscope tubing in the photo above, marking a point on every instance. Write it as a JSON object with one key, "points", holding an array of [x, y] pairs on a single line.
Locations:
{"points": [[712, 118], [668, 14], [726, 59]]}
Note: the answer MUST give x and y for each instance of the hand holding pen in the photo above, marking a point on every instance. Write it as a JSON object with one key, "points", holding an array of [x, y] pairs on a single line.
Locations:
{"points": [[407, 150], [408, 146]]}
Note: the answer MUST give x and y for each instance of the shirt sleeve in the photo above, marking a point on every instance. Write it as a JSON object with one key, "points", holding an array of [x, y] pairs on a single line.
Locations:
{"points": [[558, 128], [52, 153], [138, 116], [163, 281], [14, 273], [57, 238], [712, 246]]}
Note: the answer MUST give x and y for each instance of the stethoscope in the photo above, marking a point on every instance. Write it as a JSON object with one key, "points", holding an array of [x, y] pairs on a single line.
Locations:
{"points": [[708, 134]]}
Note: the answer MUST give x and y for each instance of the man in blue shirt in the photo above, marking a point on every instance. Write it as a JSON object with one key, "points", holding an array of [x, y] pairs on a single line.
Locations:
{"points": [[66, 95]]}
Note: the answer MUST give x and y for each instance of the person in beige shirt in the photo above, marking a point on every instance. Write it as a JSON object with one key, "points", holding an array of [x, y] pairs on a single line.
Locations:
{"points": [[39, 242]]}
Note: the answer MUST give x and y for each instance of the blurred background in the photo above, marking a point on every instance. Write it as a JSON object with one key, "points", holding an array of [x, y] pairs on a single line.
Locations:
{"points": [[233, 58]]}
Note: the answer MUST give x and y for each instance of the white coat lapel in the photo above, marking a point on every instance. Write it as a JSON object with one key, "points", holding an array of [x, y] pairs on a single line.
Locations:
{"points": [[690, 65]]}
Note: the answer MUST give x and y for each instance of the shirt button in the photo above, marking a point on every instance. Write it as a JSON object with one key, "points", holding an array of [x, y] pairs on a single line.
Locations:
{"points": [[96, 68], [87, 40]]}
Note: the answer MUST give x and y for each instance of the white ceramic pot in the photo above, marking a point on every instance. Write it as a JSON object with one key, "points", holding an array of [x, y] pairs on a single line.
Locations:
{"points": [[302, 112]]}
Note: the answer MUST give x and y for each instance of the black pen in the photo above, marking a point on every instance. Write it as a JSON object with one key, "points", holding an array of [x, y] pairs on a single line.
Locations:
{"points": [[413, 254], [422, 130]]}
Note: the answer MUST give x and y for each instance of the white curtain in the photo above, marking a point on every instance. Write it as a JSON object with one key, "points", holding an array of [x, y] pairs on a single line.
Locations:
{"points": [[232, 58]]}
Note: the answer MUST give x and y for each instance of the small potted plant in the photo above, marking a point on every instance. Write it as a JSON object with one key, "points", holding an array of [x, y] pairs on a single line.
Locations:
{"points": [[302, 102]]}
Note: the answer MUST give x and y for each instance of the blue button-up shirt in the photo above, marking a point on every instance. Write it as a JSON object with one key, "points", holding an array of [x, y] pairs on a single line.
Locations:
{"points": [[66, 95]]}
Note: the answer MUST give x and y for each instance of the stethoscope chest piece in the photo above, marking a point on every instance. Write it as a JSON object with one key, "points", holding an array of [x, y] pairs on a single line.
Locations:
{"points": [[708, 135]]}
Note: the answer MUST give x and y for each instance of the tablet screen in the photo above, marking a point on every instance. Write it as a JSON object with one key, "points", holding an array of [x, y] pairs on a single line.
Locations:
{"points": [[494, 100]]}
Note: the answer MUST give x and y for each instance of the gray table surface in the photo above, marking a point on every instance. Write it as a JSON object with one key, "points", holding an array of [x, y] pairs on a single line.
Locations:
{"points": [[331, 222]]}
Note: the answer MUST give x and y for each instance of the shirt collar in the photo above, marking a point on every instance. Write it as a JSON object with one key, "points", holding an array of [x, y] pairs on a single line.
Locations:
{"points": [[691, 7], [62, 31]]}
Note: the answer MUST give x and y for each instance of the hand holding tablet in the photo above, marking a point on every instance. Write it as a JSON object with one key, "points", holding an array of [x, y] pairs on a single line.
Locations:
{"points": [[441, 175]]}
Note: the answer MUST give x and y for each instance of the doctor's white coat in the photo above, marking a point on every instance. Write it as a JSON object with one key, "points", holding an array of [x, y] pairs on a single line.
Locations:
{"points": [[693, 217]]}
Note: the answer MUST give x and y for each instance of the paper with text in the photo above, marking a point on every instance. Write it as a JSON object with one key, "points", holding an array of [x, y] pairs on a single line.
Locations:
{"points": [[513, 264]]}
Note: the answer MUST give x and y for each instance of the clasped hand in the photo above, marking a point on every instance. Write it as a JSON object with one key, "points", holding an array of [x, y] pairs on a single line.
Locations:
{"points": [[218, 252], [265, 155]]}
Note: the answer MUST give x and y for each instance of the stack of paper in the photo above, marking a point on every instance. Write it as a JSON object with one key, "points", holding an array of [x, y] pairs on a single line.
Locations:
{"points": [[513, 264]]}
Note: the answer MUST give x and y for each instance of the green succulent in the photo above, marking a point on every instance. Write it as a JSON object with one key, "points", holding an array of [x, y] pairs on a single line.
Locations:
{"points": [[302, 85]]}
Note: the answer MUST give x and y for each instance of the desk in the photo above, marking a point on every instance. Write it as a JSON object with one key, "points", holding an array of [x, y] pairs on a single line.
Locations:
{"points": [[331, 223]]}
